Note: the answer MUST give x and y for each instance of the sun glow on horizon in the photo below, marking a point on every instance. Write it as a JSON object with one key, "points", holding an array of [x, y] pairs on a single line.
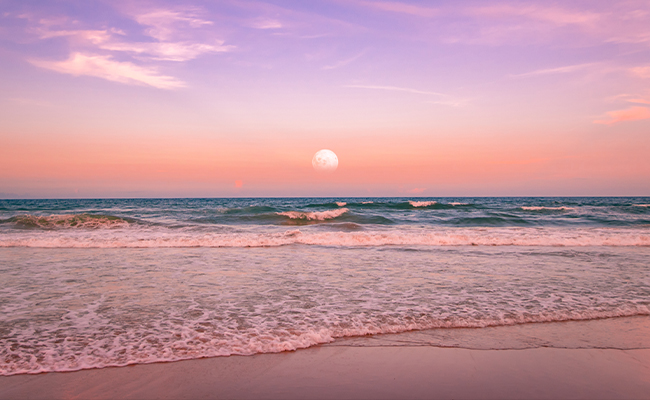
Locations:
{"points": [[189, 99]]}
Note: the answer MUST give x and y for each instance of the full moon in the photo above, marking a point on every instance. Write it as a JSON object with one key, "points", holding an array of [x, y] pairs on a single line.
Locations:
{"points": [[325, 160]]}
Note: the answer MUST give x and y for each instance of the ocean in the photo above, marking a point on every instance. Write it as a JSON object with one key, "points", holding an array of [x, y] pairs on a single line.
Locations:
{"points": [[114, 282]]}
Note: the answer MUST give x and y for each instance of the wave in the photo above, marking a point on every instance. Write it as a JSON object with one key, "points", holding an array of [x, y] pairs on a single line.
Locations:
{"points": [[422, 203], [504, 220], [49, 222], [641, 205], [540, 208], [428, 204], [349, 237], [399, 205], [314, 215], [246, 210], [192, 342]]}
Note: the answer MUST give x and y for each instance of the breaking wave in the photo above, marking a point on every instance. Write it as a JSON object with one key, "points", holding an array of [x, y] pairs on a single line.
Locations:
{"points": [[159, 237], [538, 208], [422, 203], [195, 339], [68, 221], [314, 215]]}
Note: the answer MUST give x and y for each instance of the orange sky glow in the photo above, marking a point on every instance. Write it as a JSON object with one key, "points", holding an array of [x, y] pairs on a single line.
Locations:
{"points": [[191, 100]]}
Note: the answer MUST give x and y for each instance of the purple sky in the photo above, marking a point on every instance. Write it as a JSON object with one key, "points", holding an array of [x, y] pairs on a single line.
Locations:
{"points": [[233, 98]]}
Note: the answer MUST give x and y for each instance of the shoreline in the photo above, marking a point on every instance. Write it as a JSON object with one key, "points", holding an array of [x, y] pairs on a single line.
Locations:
{"points": [[324, 372]]}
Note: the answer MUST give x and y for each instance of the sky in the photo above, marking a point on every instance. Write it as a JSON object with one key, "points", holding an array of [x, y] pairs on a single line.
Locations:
{"points": [[233, 98]]}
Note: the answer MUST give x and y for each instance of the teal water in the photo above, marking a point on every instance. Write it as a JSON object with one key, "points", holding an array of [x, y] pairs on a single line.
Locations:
{"points": [[319, 221], [97, 283]]}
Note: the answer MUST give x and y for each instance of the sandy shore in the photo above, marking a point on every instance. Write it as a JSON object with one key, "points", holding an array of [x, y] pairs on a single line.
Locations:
{"points": [[360, 372]]}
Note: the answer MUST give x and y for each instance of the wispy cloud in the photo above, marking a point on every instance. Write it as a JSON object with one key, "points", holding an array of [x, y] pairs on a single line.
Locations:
{"points": [[106, 68], [266, 24], [345, 62], [394, 88], [163, 24], [551, 71], [403, 8], [643, 72], [525, 23], [168, 51], [630, 114], [94, 52], [112, 41], [450, 103], [553, 15]]}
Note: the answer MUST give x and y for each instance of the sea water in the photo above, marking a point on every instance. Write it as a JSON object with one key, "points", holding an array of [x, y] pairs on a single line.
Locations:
{"points": [[96, 283]]}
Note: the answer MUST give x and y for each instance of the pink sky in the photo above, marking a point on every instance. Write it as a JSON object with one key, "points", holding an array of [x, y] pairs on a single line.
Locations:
{"points": [[233, 98]]}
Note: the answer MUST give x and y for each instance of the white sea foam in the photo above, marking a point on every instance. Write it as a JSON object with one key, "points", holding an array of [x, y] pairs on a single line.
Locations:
{"points": [[455, 203], [161, 237], [182, 343], [341, 203], [641, 205], [70, 221], [314, 215], [422, 203], [132, 308], [539, 208], [367, 202]]}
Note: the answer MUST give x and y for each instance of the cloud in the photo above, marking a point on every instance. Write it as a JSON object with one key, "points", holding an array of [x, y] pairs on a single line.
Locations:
{"points": [[163, 24], [526, 23], [643, 72], [94, 51], [402, 8], [107, 68], [559, 70], [394, 88], [344, 62], [266, 24], [639, 101], [168, 51], [630, 114], [553, 15]]}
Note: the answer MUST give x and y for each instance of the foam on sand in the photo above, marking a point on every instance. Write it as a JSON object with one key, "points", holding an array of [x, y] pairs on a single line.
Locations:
{"points": [[362, 373]]}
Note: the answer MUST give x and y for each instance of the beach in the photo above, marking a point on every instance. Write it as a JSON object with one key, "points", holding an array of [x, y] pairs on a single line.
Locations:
{"points": [[325, 298], [326, 199], [351, 372]]}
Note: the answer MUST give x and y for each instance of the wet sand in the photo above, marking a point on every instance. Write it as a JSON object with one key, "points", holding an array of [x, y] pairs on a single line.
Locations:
{"points": [[327, 372]]}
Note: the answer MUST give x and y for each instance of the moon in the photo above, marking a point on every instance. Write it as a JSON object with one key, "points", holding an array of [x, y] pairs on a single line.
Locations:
{"points": [[325, 161]]}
